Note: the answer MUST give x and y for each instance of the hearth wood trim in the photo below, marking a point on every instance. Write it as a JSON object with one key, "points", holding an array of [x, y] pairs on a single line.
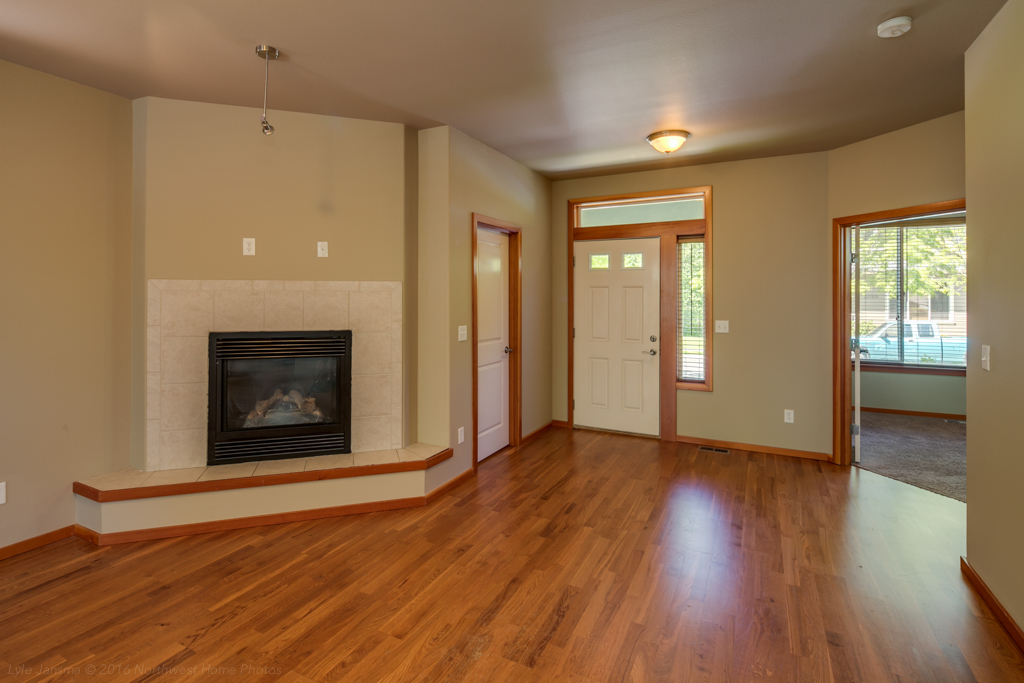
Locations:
{"points": [[247, 522], [138, 492]]}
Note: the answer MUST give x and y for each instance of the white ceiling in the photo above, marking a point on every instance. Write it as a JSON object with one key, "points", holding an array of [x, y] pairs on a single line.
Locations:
{"points": [[568, 87]]}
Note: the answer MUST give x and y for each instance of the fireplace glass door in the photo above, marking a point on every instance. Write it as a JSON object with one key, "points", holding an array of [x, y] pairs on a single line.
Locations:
{"points": [[261, 393]]}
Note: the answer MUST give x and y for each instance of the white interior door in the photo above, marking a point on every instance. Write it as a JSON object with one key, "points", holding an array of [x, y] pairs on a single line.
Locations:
{"points": [[616, 335], [492, 342]]}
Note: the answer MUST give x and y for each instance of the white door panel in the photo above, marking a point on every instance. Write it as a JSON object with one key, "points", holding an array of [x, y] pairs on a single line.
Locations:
{"points": [[617, 311], [492, 340]]}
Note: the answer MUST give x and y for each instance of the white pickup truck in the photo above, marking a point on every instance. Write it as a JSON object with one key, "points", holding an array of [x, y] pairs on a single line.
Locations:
{"points": [[922, 345]]}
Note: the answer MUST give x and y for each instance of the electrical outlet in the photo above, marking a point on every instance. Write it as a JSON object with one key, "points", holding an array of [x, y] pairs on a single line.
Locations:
{"points": [[321, 249], [787, 415], [462, 434], [463, 334], [722, 326], [3, 492], [986, 357], [248, 246]]}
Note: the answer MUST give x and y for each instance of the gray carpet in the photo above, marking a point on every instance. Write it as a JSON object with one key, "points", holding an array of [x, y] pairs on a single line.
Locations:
{"points": [[926, 452]]}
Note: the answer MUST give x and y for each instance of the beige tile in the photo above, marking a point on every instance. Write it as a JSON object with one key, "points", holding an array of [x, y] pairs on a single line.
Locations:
{"points": [[152, 445], [299, 285], [397, 392], [283, 311], [396, 342], [375, 457], [181, 449], [397, 426], [371, 433], [405, 455], [122, 479], [371, 354], [152, 395], [371, 395], [153, 348], [238, 312], [184, 360], [183, 406], [239, 470], [377, 286], [152, 304], [186, 314], [183, 476], [425, 450], [328, 462], [280, 466], [268, 285], [336, 286], [396, 304], [227, 285], [325, 311], [370, 311], [177, 285]]}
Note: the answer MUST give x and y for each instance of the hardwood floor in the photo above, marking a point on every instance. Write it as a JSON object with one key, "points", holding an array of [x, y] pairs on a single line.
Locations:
{"points": [[583, 557]]}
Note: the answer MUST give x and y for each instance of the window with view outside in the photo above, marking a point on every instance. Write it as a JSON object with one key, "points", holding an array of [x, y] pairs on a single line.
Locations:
{"points": [[913, 292], [691, 318], [658, 210]]}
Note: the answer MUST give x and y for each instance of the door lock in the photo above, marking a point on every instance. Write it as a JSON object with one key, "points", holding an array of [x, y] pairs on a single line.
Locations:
{"points": [[654, 338]]}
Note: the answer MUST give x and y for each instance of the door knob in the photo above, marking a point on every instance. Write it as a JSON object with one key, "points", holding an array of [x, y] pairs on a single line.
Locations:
{"points": [[654, 338], [508, 350], [651, 352]]}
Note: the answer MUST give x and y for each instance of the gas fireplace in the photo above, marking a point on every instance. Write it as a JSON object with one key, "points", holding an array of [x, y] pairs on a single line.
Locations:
{"points": [[277, 395]]}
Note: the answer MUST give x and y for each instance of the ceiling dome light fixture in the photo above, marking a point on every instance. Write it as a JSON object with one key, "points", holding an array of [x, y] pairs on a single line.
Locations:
{"points": [[668, 141], [894, 28], [266, 52]]}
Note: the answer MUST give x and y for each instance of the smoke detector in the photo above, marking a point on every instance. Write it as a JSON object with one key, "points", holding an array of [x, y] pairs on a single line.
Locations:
{"points": [[894, 28]]}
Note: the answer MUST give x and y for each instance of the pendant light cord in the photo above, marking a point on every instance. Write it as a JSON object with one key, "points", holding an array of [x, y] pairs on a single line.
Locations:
{"points": [[266, 80]]}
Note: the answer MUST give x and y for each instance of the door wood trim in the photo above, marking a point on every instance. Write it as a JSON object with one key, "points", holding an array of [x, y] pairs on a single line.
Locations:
{"points": [[668, 233], [842, 364], [515, 327]]}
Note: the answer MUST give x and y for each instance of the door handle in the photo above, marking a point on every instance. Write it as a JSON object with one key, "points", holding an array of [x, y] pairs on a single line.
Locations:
{"points": [[652, 352], [508, 350]]}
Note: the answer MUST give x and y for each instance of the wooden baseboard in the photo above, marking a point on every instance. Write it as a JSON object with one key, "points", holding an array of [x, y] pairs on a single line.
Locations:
{"points": [[757, 449], [914, 413], [449, 485], [1000, 613], [560, 423], [36, 542]]}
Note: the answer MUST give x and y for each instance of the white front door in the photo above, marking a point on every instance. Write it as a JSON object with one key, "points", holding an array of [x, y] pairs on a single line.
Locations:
{"points": [[617, 326], [492, 342]]}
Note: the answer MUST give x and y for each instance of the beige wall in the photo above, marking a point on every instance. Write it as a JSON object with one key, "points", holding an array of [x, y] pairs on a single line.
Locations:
{"points": [[771, 281], [65, 308], [205, 177], [460, 176], [995, 241], [908, 167]]}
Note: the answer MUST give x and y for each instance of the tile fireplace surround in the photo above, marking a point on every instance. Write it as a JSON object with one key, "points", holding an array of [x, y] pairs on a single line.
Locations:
{"points": [[180, 314]]}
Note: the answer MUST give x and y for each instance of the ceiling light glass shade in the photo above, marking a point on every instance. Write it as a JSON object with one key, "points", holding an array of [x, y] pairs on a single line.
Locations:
{"points": [[667, 141]]}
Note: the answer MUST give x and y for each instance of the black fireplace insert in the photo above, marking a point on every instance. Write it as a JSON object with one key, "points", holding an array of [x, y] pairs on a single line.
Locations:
{"points": [[277, 395]]}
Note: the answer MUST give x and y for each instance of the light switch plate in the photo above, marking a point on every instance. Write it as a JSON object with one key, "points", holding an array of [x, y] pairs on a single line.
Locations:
{"points": [[3, 492], [462, 434], [321, 249], [463, 333], [787, 416], [722, 326], [248, 246], [986, 357]]}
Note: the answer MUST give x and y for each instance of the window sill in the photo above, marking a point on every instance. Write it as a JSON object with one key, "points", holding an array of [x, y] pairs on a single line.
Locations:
{"points": [[693, 386], [913, 369]]}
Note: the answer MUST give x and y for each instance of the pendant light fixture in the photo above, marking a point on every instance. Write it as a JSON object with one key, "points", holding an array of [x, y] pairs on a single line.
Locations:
{"points": [[668, 141], [266, 52]]}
